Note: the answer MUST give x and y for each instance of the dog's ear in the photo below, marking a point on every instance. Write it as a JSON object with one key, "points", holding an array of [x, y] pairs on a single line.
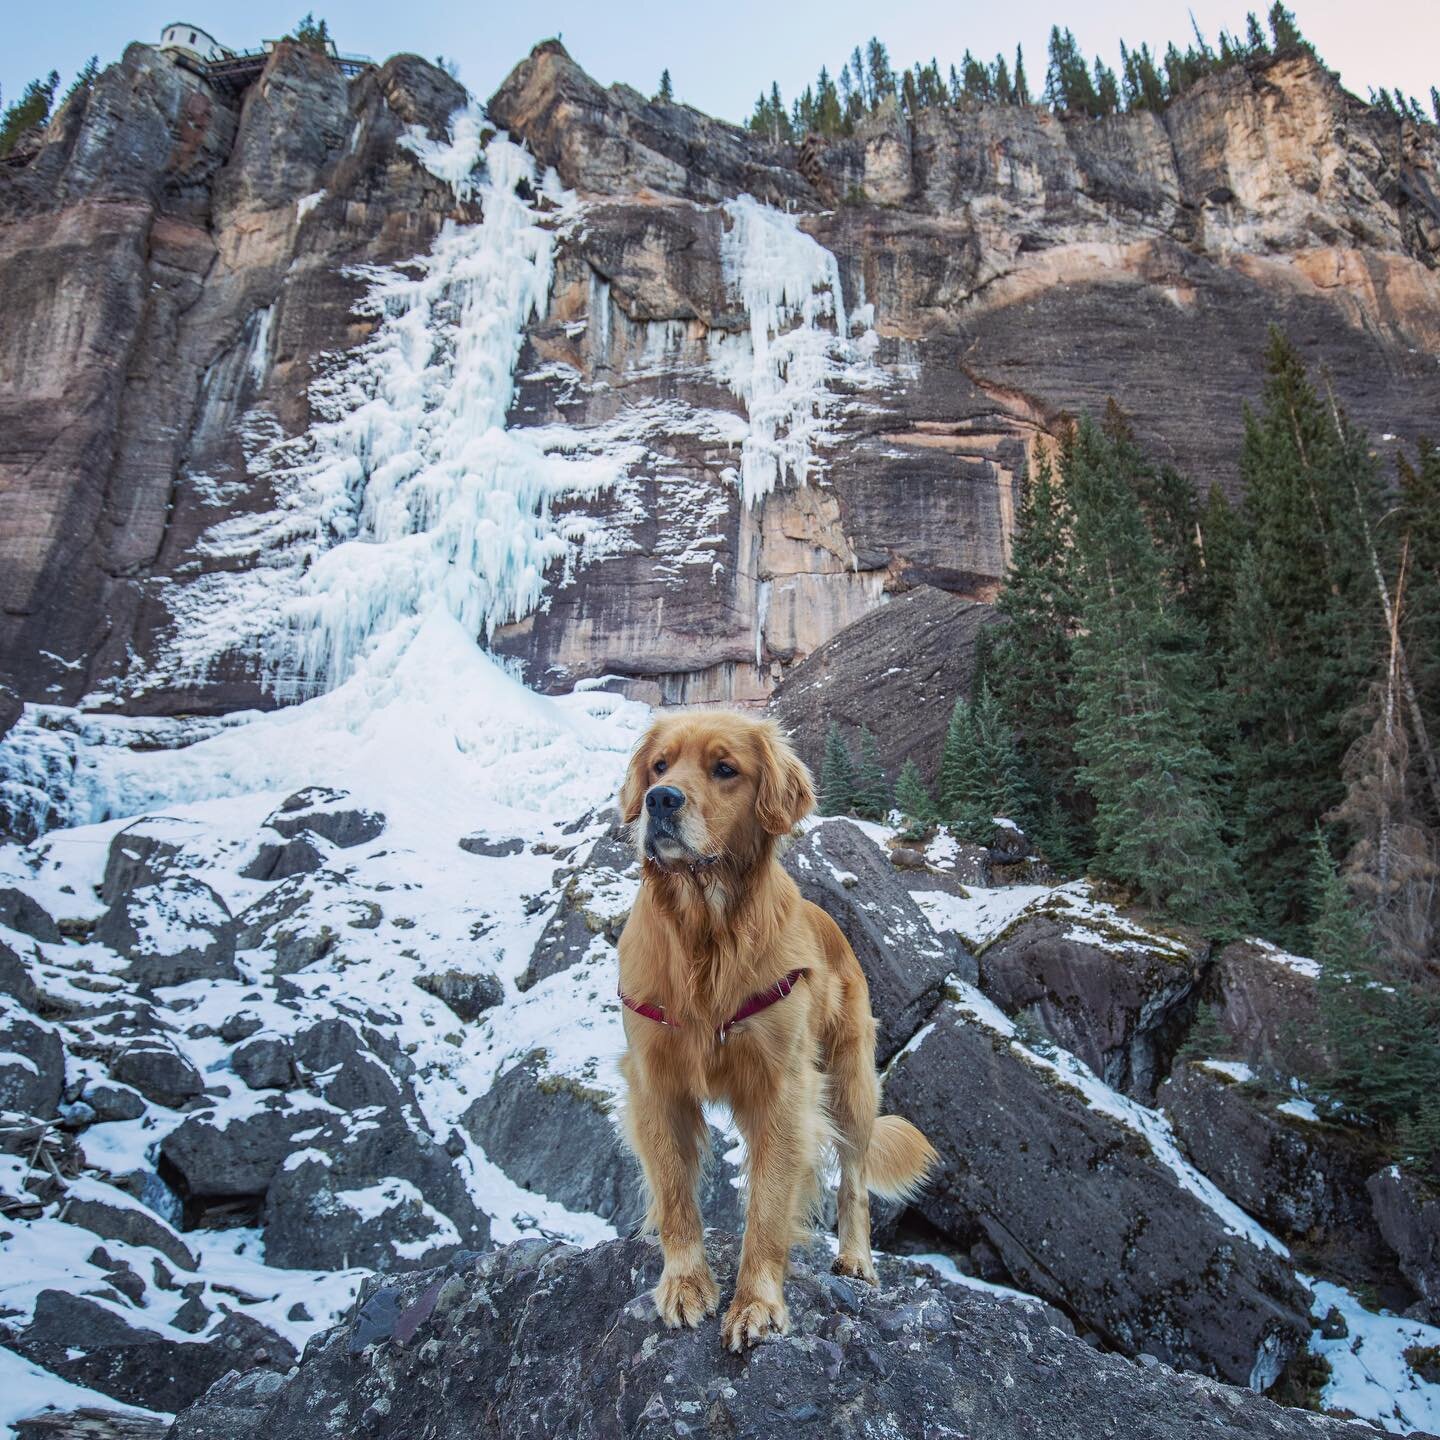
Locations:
{"points": [[786, 793], [632, 792]]}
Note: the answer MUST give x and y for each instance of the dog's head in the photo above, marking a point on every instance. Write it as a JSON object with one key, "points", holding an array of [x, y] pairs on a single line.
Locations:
{"points": [[710, 786]]}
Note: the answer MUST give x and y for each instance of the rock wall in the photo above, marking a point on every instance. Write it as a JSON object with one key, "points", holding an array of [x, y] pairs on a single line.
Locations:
{"points": [[185, 271]]}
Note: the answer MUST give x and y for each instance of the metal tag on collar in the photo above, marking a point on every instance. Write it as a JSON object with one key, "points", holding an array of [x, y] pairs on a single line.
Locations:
{"points": [[724, 1031]]}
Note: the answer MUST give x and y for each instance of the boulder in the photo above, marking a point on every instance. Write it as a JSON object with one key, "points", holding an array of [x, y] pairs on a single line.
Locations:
{"points": [[321, 811], [838, 868], [16, 980], [491, 846], [1096, 1215], [145, 853], [557, 1136], [158, 1071], [265, 1063], [335, 1060], [540, 1339], [32, 1064], [303, 919], [1302, 1178], [373, 1192], [280, 859], [595, 900], [172, 932], [113, 1102], [468, 993], [218, 1163], [1407, 1210], [121, 1218], [91, 1344], [1118, 1001], [1268, 1007], [19, 912]]}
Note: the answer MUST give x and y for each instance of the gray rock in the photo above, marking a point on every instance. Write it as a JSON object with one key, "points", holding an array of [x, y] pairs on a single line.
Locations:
{"points": [[495, 848], [172, 932], [1119, 1003], [1269, 1009], [16, 980], [417, 1207], [241, 1026], [218, 1165], [113, 1102], [1129, 1250], [159, 1072], [144, 854], [546, 1340], [468, 994], [19, 912], [303, 920], [32, 1065], [318, 811], [1407, 1210], [595, 901], [123, 1219], [335, 1060], [838, 868], [557, 1136], [137, 1365], [265, 1063], [279, 860]]}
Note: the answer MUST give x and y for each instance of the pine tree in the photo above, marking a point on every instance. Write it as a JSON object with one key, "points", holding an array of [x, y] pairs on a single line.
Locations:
{"points": [[666, 93], [1034, 670], [31, 109], [964, 784], [1413, 524], [1022, 85], [1383, 1056], [912, 796], [1006, 793], [837, 775], [1283, 29], [312, 32], [1303, 632], [872, 791], [1139, 731]]}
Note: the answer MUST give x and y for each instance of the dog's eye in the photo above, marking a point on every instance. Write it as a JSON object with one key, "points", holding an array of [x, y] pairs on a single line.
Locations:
{"points": [[660, 767], [725, 771]]}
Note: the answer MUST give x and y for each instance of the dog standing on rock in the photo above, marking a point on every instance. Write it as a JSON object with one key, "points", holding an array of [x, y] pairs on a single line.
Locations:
{"points": [[738, 990]]}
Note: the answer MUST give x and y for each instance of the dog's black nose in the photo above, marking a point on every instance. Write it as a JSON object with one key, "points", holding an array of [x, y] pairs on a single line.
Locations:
{"points": [[663, 800]]}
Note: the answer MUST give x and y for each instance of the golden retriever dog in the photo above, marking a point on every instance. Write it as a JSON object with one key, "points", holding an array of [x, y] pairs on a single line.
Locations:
{"points": [[738, 990]]}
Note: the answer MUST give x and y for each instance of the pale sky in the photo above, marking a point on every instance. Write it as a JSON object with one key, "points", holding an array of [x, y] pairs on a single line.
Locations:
{"points": [[721, 55]]}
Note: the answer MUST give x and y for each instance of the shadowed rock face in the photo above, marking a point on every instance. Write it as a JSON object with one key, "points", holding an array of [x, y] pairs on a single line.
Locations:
{"points": [[540, 1340], [178, 261]]}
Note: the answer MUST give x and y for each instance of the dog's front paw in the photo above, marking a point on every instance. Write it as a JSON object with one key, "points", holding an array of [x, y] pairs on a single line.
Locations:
{"points": [[858, 1267], [749, 1321], [686, 1297]]}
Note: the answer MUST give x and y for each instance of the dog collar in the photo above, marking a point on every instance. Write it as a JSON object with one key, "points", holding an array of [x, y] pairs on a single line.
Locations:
{"points": [[753, 1006]]}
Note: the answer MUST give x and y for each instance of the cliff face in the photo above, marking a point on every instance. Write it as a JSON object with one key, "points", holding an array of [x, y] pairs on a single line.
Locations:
{"points": [[184, 275]]}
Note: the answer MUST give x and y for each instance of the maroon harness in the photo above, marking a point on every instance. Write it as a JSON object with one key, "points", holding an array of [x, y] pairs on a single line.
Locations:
{"points": [[763, 1000]]}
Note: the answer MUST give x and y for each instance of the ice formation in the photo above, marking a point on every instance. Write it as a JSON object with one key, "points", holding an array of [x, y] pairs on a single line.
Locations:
{"points": [[798, 347]]}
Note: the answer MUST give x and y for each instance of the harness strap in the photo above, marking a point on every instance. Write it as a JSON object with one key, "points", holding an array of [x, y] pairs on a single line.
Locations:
{"points": [[753, 1006]]}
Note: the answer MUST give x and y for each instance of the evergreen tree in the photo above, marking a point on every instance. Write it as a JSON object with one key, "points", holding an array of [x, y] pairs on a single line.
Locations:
{"points": [[1006, 791], [1413, 524], [881, 78], [1283, 29], [1383, 1056], [1022, 85], [964, 785], [1304, 630], [1034, 671], [1139, 731], [912, 796], [872, 791], [31, 109], [829, 117], [313, 33], [666, 93], [837, 775], [1068, 85]]}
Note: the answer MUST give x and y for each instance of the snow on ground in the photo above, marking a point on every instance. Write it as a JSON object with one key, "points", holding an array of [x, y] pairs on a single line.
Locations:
{"points": [[26, 1391], [1370, 1375]]}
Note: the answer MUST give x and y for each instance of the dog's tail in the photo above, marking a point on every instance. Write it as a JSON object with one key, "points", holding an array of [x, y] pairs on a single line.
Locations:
{"points": [[899, 1159]]}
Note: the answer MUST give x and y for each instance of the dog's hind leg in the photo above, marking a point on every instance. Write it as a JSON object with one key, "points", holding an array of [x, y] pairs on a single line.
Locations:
{"points": [[854, 1100], [667, 1131]]}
